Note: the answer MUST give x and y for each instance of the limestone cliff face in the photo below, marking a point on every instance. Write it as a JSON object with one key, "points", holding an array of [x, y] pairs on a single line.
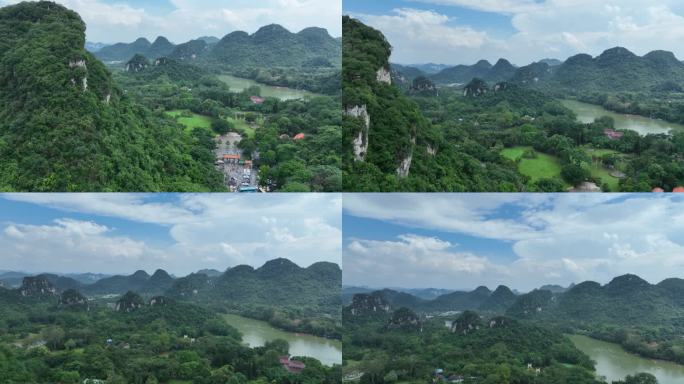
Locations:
{"points": [[360, 141], [129, 302], [37, 286], [158, 301], [364, 303], [466, 323], [383, 76], [405, 164], [405, 319], [71, 298]]}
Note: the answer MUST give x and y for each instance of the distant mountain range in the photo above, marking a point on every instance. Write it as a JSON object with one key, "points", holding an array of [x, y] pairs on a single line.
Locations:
{"points": [[460, 74], [616, 69], [270, 46], [626, 300], [278, 282]]}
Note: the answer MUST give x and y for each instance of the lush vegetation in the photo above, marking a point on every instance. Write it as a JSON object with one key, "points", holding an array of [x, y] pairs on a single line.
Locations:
{"points": [[168, 342], [165, 330], [69, 124], [66, 126], [495, 350], [643, 318], [506, 136], [206, 107], [508, 332]]}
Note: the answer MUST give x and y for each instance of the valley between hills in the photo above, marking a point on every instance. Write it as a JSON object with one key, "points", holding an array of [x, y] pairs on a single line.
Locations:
{"points": [[206, 327], [626, 331], [608, 123]]}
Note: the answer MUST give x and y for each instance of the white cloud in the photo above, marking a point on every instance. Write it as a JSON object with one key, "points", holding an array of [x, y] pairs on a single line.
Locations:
{"points": [[556, 239], [124, 21], [68, 241], [426, 34], [424, 261], [553, 28], [498, 6], [220, 230]]}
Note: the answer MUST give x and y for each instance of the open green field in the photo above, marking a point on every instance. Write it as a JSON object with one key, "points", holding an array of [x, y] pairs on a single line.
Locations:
{"points": [[600, 173], [249, 131], [190, 123], [547, 166], [542, 167]]}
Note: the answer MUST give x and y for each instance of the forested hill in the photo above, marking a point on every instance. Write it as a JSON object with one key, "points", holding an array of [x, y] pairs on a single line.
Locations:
{"points": [[275, 46], [502, 70], [125, 51], [480, 298], [278, 283], [615, 70], [65, 125], [389, 145]]}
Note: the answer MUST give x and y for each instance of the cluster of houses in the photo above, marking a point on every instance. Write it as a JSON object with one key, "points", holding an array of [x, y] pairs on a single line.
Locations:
{"points": [[292, 366]]}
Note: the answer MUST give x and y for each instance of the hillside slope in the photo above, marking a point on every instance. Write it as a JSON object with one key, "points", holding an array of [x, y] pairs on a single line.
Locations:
{"points": [[66, 126]]}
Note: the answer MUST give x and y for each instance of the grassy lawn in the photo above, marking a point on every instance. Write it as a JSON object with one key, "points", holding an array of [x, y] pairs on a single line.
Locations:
{"points": [[542, 167], [514, 153], [190, 123], [603, 174], [249, 131], [600, 173]]}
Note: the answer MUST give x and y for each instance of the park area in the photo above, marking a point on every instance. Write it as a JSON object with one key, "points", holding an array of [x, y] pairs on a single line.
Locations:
{"points": [[543, 166], [193, 120]]}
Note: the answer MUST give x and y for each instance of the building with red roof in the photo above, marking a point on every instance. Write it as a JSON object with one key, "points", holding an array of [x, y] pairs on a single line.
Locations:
{"points": [[292, 366], [231, 159], [678, 189], [613, 134], [257, 99], [299, 136]]}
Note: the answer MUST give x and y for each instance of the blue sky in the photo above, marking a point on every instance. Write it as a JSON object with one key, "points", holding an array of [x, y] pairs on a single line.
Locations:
{"points": [[523, 31], [461, 241], [181, 233], [112, 21]]}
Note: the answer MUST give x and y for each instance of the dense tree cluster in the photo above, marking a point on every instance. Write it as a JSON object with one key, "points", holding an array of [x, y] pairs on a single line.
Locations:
{"points": [[173, 342], [66, 126]]}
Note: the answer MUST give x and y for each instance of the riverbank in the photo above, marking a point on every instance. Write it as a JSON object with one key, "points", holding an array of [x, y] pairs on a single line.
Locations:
{"points": [[587, 113], [614, 363], [256, 333], [239, 84]]}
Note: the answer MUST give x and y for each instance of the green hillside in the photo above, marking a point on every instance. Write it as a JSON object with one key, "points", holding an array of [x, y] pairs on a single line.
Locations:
{"points": [[66, 126]]}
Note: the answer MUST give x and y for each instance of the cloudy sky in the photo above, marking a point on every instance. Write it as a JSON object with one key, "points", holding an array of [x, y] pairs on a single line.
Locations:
{"points": [[112, 21], [181, 233], [461, 241], [523, 31]]}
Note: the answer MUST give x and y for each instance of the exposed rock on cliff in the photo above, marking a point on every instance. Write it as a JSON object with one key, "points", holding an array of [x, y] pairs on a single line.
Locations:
{"points": [[37, 286], [72, 298], [129, 302]]}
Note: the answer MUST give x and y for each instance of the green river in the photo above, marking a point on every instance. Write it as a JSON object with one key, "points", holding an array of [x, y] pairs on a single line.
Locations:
{"points": [[586, 113], [256, 333], [238, 84], [613, 362]]}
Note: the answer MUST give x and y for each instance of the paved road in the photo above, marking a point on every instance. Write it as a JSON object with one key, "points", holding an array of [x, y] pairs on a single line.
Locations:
{"points": [[233, 173]]}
